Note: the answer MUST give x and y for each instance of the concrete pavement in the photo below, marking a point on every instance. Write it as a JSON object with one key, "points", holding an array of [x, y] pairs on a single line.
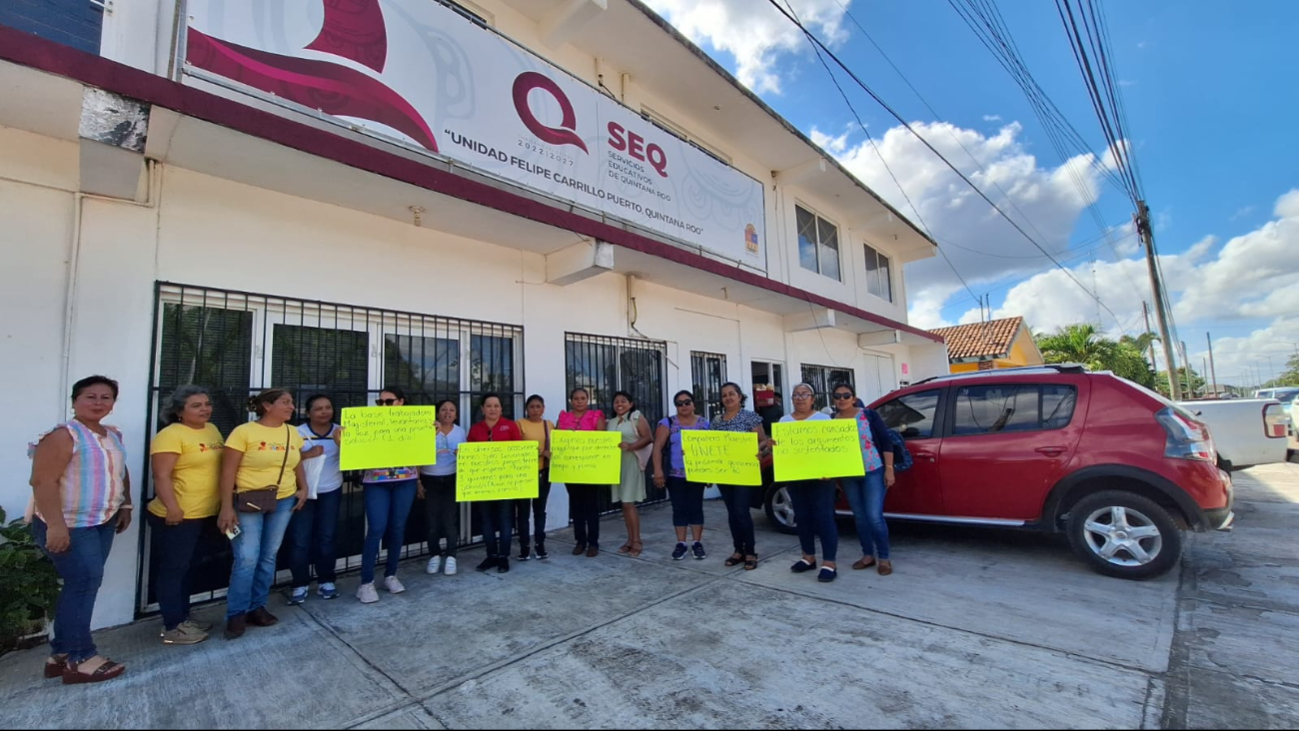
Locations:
{"points": [[975, 629]]}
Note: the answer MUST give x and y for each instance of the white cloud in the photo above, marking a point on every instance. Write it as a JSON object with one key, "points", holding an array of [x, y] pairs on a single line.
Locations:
{"points": [[984, 247], [1242, 212], [833, 145], [992, 117], [1252, 279], [754, 32]]}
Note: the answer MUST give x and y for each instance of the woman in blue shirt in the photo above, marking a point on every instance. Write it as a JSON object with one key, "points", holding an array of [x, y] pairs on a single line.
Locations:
{"points": [[438, 490], [687, 497], [866, 494]]}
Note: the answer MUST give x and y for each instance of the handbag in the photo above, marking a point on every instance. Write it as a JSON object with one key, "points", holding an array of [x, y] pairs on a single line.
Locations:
{"points": [[264, 499], [643, 454]]}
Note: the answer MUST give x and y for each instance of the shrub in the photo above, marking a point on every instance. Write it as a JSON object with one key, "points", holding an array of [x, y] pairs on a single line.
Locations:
{"points": [[29, 585]]}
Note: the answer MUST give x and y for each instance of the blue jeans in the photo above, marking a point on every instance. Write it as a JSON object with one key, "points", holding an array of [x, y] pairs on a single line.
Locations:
{"points": [[813, 502], [82, 569], [170, 564], [866, 495], [312, 532], [255, 549], [387, 506], [738, 498], [687, 502], [498, 518]]}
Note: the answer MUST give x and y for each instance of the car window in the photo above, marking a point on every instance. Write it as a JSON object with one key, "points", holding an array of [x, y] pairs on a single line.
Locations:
{"points": [[1013, 407], [911, 415]]}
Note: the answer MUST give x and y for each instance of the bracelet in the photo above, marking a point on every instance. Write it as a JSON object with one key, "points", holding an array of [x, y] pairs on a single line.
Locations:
{"points": [[126, 506]]}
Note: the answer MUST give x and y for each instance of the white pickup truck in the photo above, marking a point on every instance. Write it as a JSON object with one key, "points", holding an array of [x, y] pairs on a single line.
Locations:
{"points": [[1247, 432]]}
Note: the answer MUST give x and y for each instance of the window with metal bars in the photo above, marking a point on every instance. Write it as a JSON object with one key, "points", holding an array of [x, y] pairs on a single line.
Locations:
{"points": [[604, 365], [236, 344], [708, 373], [824, 378]]}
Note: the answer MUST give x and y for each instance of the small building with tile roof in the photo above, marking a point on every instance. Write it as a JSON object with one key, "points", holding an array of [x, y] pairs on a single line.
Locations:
{"points": [[985, 346]]}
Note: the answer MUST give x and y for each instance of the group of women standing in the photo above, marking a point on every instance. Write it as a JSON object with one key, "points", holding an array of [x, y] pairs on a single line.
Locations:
{"points": [[268, 479]]}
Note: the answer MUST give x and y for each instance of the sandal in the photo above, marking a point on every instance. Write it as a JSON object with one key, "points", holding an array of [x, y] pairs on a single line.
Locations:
{"points": [[107, 670], [886, 567], [636, 548], [735, 560], [865, 563], [55, 665], [625, 548], [751, 562]]}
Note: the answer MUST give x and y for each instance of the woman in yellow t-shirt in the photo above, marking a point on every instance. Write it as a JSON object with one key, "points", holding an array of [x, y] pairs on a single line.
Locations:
{"points": [[535, 428], [186, 460], [257, 455]]}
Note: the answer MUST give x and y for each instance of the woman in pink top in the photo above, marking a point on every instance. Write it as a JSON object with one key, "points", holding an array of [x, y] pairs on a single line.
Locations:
{"points": [[82, 496], [583, 500]]}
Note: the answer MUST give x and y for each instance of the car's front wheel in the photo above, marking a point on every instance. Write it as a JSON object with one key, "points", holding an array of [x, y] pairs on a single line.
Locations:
{"points": [[1125, 535], [780, 509]]}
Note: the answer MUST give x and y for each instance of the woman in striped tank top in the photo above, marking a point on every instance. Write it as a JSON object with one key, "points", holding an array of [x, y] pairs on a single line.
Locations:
{"points": [[81, 499]]}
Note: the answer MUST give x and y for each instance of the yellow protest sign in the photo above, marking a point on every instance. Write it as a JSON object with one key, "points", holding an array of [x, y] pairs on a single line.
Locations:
{"points": [[810, 450], [722, 457], [585, 457], [496, 471], [375, 437]]}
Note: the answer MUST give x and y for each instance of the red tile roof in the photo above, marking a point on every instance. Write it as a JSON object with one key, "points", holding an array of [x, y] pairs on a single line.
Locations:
{"points": [[990, 339]]}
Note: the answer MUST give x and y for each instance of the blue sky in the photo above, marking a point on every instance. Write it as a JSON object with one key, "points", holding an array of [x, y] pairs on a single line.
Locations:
{"points": [[1209, 100]]}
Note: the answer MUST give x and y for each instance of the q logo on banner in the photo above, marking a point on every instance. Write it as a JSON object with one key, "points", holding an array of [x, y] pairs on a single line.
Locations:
{"points": [[562, 135]]}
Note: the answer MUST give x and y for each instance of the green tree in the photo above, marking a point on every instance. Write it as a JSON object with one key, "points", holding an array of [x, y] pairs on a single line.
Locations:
{"points": [[1085, 343]]}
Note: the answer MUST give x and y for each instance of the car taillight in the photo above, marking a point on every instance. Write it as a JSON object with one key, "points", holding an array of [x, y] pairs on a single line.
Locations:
{"points": [[1187, 439], [1275, 421]]}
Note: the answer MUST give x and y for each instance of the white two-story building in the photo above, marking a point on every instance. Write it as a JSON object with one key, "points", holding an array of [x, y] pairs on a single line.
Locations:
{"points": [[519, 196]]}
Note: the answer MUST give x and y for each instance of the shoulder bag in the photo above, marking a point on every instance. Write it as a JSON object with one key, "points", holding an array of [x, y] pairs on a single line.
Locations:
{"points": [[264, 499]]}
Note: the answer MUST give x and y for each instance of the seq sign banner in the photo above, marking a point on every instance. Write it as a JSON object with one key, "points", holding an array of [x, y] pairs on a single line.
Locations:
{"points": [[422, 73]]}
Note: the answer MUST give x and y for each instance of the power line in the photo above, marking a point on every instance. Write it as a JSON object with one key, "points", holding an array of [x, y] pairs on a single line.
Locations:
{"points": [[811, 36]]}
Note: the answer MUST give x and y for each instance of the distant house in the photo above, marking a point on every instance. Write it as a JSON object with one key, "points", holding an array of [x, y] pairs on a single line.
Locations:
{"points": [[985, 346]]}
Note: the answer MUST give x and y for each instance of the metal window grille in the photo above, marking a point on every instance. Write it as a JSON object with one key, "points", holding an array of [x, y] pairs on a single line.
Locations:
{"points": [[237, 343], [708, 373], [604, 365], [824, 378]]}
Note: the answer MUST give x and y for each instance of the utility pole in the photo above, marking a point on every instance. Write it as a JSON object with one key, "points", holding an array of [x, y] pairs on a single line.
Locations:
{"points": [[1186, 368], [1212, 371], [1144, 232], [1145, 312]]}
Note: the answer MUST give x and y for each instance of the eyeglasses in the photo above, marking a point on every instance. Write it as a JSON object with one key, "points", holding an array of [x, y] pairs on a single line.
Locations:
{"points": [[684, 402], [803, 395], [385, 402], [842, 396]]}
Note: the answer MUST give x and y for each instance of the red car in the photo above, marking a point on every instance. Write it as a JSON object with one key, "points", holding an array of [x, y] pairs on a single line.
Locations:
{"points": [[1117, 467]]}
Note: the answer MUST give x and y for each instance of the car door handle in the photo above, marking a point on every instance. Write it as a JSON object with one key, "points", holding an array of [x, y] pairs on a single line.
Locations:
{"points": [[923, 455], [1051, 451]]}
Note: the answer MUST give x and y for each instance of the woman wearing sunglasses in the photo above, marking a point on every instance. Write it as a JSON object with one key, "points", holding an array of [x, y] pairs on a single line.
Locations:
{"points": [[813, 501], [866, 494], [389, 494], [740, 499], [687, 497], [583, 500]]}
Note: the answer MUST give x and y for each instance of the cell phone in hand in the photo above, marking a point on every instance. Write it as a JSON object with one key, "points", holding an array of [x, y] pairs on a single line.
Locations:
{"points": [[233, 532]]}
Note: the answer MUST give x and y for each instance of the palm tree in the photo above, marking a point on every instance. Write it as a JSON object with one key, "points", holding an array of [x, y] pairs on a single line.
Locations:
{"points": [[1085, 343], [1079, 343]]}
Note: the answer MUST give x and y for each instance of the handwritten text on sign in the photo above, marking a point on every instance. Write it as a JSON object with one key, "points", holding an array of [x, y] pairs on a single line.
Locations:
{"points": [[722, 457], [585, 457], [811, 450], [496, 471], [375, 437]]}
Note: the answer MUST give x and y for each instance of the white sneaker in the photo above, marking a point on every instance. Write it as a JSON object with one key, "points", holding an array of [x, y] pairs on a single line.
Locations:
{"points": [[434, 564], [367, 593], [393, 585], [450, 566]]}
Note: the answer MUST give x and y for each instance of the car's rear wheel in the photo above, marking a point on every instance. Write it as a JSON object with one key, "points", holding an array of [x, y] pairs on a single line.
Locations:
{"points": [[780, 509], [1125, 535]]}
